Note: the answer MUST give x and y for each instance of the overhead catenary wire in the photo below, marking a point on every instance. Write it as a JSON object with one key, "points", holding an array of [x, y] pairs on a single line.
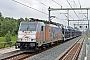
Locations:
{"points": [[57, 3], [67, 16], [74, 2], [73, 10], [54, 2], [80, 6], [33, 8], [58, 18], [30, 7], [79, 3], [61, 7], [42, 3], [48, 6]]}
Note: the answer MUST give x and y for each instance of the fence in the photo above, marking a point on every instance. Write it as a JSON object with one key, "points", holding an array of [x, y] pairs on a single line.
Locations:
{"points": [[7, 44]]}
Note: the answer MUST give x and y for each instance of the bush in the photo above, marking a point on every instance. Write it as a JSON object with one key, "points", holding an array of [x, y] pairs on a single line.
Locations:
{"points": [[13, 34], [8, 37], [1, 34]]}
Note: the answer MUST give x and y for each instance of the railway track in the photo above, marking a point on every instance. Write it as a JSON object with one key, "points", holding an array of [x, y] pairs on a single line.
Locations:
{"points": [[23, 56], [17, 57], [73, 52]]}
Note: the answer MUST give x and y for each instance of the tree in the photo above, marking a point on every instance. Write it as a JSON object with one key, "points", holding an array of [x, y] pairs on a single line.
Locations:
{"points": [[8, 37], [9, 24], [20, 20], [26, 19], [0, 14]]}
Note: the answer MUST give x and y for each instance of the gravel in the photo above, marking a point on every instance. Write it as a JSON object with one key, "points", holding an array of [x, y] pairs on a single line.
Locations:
{"points": [[54, 52], [10, 54]]}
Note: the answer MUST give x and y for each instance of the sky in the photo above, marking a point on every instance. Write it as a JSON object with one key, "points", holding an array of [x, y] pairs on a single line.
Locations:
{"points": [[9, 8]]}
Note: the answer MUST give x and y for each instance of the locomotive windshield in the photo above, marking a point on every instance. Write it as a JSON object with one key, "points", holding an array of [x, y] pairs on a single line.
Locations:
{"points": [[28, 26]]}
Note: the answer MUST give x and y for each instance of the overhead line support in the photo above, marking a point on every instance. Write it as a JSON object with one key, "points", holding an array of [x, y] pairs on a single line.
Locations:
{"points": [[68, 9], [78, 20], [49, 14], [52, 9]]}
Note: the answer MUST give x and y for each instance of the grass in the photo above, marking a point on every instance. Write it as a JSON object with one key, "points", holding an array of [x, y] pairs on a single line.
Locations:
{"points": [[13, 38], [2, 39]]}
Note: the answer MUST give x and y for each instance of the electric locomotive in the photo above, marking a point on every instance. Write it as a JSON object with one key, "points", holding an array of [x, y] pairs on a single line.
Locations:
{"points": [[35, 35]]}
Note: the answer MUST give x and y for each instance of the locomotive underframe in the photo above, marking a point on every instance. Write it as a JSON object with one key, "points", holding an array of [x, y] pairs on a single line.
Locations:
{"points": [[26, 45]]}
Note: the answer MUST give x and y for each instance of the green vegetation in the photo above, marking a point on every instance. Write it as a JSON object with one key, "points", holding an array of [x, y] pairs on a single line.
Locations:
{"points": [[8, 30], [13, 38], [8, 37], [9, 24], [2, 39]]}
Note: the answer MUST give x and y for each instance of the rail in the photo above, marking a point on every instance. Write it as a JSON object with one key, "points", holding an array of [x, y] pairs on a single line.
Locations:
{"points": [[73, 52]]}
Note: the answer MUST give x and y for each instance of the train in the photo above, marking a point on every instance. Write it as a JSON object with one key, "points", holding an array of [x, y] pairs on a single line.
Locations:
{"points": [[35, 35]]}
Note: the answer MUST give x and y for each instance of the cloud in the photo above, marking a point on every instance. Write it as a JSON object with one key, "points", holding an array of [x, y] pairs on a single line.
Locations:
{"points": [[12, 9]]}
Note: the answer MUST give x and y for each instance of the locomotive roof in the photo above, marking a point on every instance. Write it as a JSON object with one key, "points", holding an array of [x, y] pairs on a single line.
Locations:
{"points": [[52, 25]]}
